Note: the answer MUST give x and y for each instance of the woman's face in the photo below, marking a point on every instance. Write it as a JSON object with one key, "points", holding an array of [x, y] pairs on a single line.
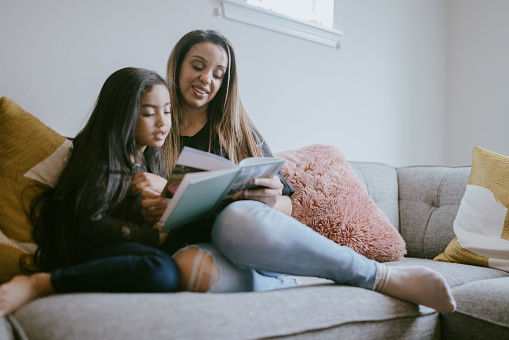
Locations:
{"points": [[201, 74]]}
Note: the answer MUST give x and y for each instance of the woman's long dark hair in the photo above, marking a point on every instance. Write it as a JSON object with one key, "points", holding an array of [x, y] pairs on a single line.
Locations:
{"points": [[99, 169]]}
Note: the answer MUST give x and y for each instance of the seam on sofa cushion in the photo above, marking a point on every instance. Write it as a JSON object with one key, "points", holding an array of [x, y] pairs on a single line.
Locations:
{"points": [[483, 319], [396, 318], [439, 191], [424, 234], [19, 332]]}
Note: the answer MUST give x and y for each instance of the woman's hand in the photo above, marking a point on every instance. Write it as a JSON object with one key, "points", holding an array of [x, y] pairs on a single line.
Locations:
{"points": [[147, 184], [272, 194], [273, 189], [152, 208], [163, 235]]}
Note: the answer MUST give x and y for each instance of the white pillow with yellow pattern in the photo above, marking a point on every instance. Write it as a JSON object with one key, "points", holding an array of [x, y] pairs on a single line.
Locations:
{"points": [[30, 153], [482, 223]]}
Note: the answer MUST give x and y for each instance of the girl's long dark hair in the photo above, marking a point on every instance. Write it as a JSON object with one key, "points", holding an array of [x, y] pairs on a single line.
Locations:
{"points": [[98, 173]]}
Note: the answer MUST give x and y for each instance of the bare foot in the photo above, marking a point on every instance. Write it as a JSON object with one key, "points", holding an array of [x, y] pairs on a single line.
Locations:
{"points": [[23, 289]]}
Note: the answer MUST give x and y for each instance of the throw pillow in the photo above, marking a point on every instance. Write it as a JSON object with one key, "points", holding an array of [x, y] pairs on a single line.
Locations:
{"points": [[31, 153], [481, 226], [330, 199]]}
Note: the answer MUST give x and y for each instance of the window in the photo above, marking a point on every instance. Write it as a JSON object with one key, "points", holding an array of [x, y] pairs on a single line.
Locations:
{"points": [[320, 12], [306, 19]]}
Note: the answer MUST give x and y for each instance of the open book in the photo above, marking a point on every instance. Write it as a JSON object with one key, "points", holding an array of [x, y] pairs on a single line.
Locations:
{"points": [[202, 181]]}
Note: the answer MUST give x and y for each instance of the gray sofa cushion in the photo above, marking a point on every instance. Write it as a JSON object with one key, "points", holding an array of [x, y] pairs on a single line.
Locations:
{"points": [[429, 199], [326, 311], [482, 313]]}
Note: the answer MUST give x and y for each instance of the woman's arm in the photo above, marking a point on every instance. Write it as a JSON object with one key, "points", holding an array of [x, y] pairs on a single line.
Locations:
{"points": [[284, 204]]}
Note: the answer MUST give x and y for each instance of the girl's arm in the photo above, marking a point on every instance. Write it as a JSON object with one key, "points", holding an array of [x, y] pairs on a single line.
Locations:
{"points": [[146, 183], [149, 186], [111, 229], [152, 208]]}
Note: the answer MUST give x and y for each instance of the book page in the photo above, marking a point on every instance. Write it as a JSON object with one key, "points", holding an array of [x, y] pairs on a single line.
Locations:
{"points": [[176, 178], [203, 160], [201, 180], [266, 168]]}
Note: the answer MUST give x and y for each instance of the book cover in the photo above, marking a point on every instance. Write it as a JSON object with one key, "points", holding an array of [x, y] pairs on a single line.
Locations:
{"points": [[202, 181]]}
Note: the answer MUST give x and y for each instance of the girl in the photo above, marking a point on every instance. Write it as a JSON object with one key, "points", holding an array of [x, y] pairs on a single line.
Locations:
{"points": [[89, 229], [253, 239]]}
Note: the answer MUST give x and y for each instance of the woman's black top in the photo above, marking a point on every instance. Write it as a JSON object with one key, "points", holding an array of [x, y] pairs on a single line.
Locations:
{"points": [[201, 141]]}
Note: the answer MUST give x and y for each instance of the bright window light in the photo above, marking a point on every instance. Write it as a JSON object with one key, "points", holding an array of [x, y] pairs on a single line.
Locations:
{"points": [[311, 20], [316, 11]]}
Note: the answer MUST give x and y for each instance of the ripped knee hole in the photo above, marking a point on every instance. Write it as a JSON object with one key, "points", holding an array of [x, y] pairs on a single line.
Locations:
{"points": [[198, 271]]}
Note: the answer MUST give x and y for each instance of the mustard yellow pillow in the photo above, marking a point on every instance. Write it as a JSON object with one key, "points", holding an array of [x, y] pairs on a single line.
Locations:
{"points": [[482, 223], [30, 153]]}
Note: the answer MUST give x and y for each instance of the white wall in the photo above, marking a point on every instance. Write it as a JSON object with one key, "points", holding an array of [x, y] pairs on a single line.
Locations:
{"points": [[379, 98], [478, 78]]}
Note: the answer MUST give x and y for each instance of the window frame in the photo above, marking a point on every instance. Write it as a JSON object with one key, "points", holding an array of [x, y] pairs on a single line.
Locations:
{"points": [[240, 11]]}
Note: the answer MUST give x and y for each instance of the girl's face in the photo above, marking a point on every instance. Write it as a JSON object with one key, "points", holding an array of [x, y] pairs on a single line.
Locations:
{"points": [[154, 120], [201, 74]]}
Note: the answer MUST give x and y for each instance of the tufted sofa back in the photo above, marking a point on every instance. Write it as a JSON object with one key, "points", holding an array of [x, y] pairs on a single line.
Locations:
{"points": [[381, 183], [429, 199], [420, 201]]}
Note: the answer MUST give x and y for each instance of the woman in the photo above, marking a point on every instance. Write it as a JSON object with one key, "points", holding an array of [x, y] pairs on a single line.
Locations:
{"points": [[251, 240], [89, 228]]}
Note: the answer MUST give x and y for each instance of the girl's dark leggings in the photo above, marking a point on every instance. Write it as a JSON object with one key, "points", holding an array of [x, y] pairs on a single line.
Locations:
{"points": [[119, 267]]}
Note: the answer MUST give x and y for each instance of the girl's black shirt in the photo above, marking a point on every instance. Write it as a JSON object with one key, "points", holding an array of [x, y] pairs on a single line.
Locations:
{"points": [[123, 223]]}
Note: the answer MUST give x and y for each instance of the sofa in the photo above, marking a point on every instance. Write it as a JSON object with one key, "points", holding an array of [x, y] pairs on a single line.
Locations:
{"points": [[421, 203]]}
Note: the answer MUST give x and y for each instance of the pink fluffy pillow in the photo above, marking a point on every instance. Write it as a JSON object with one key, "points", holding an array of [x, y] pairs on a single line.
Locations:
{"points": [[330, 199]]}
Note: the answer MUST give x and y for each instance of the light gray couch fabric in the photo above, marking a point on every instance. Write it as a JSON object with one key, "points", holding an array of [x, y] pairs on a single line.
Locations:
{"points": [[421, 202], [483, 306], [287, 312], [380, 181], [429, 198]]}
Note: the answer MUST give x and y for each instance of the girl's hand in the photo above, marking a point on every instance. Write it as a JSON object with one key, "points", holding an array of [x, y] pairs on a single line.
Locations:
{"points": [[152, 208], [147, 184], [163, 235]]}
